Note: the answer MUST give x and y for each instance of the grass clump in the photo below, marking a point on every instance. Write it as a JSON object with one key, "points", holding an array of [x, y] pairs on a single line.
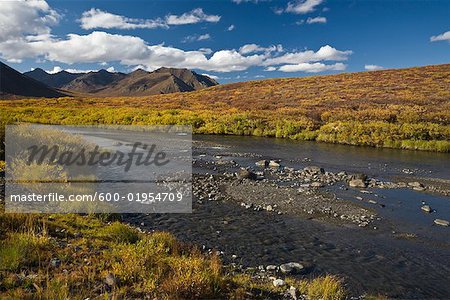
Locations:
{"points": [[20, 250], [326, 288], [119, 233]]}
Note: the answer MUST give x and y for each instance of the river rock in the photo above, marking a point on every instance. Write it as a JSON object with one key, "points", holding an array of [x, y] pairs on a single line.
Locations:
{"points": [[293, 292], [316, 184], [246, 174], [360, 176], [271, 268], [292, 267], [278, 282], [415, 184], [426, 208], [262, 163], [441, 222], [312, 170], [357, 183], [55, 262], [274, 163]]}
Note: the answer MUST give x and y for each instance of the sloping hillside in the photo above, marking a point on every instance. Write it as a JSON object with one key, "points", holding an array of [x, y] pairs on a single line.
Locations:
{"points": [[404, 108], [13, 84]]}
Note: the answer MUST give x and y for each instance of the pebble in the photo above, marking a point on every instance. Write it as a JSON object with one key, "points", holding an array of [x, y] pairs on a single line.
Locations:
{"points": [[271, 268], [55, 262], [415, 184], [426, 208], [274, 164], [316, 184], [278, 282], [293, 292], [357, 183], [442, 222], [292, 267]]}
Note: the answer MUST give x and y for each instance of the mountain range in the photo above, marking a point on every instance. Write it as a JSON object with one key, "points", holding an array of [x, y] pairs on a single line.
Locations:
{"points": [[102, 83], [136, 83]]}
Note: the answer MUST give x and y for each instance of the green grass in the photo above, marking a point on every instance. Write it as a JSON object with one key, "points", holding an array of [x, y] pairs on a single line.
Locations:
{"points": [[154, 265]]}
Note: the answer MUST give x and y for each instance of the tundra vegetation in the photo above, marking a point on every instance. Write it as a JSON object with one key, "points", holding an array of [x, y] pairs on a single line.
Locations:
{"points": [[405, 108], [78, 256], [82, 256]]}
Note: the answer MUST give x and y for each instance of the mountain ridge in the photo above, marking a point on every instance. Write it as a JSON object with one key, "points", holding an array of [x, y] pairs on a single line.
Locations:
{"points": [[137, 83]]}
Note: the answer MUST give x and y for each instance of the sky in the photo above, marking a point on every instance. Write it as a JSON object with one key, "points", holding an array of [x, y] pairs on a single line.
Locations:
{"points": [[230, 40]]}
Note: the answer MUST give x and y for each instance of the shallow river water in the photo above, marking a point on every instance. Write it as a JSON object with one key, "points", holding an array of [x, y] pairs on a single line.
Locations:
{"points": [[413, 265], [372, 261]]}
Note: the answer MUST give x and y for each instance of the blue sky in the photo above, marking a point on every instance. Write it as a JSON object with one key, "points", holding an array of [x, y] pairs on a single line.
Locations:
{"points": [[231, 40]]}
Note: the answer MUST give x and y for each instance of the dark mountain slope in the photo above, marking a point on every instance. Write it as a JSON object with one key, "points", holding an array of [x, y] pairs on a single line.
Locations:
{"points": [[57, 80], [161, 81], [13, 84], [93, 81]]}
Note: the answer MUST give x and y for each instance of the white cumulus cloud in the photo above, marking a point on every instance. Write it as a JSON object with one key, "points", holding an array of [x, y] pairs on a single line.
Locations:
{"points": [[441, 37], [195, 16], [57, 69], [312, 67], [321, 20], [196, 38], [325, 53], [211, 76], [20, 17], [302, 6], [373, 67], [96, 18], [253, 48], [131, 51]]}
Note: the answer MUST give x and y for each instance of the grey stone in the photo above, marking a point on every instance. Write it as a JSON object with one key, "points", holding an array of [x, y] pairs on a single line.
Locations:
{"points": [[415, 184], [292, 267], [442, 222], [357, 183], [426, 208], [246, 174], [271, 268], [316, 184], [55, 262], [262, 163], [278, 282], [314, 170], [274, 163], [293, 292]]}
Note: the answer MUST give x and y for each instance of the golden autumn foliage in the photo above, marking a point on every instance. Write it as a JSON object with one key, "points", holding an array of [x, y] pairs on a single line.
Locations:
{"points": [[405, 108]]}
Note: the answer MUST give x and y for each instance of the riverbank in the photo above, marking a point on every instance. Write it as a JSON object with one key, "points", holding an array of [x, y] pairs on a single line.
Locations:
{"points": [[402, 109], [95, 256], [262, 206]]}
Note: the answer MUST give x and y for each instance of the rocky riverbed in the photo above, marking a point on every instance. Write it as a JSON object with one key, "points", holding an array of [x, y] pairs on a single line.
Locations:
{"points": [[261, 212]]}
